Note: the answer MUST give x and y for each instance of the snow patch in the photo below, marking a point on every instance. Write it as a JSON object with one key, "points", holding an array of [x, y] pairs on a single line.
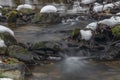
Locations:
{"points": [[24, 6], [2, 43], [1, 62], [112, 21], [118, 13], [92, 25], [86, 34], [5, 79], [87, 1], [5, 29], [48, 9], [1, 7]]}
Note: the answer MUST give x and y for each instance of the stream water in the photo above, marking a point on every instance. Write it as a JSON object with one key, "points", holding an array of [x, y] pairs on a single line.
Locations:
{"points": [[70, 68]]}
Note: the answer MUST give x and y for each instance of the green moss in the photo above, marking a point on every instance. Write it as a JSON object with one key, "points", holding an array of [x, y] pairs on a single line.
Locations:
{"points": [[4, 10], [12, 16], [39, 45], [75, 32], [26, 11], [16, 49], [11, 61], [116, 30], [1, 76]]}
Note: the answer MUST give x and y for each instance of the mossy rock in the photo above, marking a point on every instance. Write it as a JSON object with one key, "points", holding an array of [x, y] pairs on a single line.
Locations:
{"points": [[8, 38], [47, 44], [4, 10], [20, 53], [116, 30], [26, 11], [46, 18], [12, 16]]}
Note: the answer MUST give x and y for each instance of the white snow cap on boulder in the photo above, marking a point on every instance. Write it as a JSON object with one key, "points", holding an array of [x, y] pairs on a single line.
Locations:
{"points": [[92, 25], [24, 6], [87, 1], [112, 21], [86, 34], [48, 9], [5, 29], [2, 44], [6, 79], [1, 6]]}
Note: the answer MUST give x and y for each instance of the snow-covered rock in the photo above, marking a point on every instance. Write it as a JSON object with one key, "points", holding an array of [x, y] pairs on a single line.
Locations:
{"points": [[2, 43], [86, 34], [92, 25], [5, 29], [48, 9], [24, 6], [6, 79], [112, 21], [105, 7], [87, 1]]}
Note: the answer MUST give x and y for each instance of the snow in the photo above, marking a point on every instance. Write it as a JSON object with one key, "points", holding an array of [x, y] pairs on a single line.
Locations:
{"points": [[86, 34], [1, 7], [92, 25], [1, 62], [5, 79], [24, 6], [48, 9], [118, 13], [87, 1], [97, 4], [105, 7], [102, 7], [0, 14], [5, 29], [112, 21], [2, 44]]}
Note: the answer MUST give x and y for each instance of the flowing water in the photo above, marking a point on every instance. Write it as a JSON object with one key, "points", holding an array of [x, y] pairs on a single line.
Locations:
{"points": [[71, 67]]}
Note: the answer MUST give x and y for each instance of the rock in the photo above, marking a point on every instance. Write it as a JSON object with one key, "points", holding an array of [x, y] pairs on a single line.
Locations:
{"points": [[46, 18], [3, 50], [12, 70], [20, 53]]}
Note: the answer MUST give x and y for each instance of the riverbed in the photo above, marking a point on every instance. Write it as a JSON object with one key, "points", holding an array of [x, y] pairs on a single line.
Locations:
{"points": [[71, 67]]}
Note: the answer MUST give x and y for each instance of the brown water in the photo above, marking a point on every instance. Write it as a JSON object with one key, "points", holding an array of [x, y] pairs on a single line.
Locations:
{"points": [[71, 68]]}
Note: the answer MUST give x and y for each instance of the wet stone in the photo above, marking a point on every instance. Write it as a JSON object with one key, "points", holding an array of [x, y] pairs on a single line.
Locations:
{"points": [[13, 71]]}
